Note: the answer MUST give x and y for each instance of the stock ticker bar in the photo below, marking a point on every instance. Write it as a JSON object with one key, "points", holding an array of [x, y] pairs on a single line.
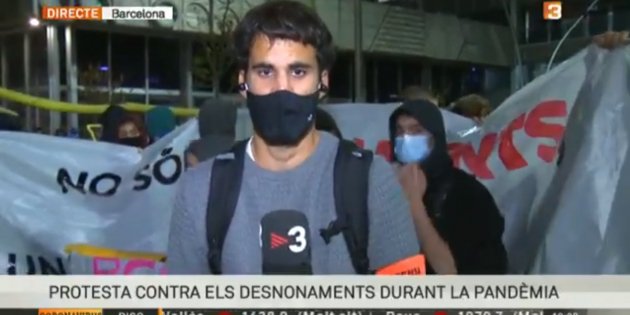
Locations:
{"points": [[288, 312]]}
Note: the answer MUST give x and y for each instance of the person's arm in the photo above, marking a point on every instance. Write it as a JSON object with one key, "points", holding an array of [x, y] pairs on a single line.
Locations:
{"points": [[187, 246], [436, 250], [392, 234]]}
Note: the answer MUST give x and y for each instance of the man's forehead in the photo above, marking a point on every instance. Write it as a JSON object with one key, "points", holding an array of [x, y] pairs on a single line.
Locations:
{"points": [[281, 51]]}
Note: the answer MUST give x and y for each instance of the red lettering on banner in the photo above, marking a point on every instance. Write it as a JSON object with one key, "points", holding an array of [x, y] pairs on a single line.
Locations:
{"points": [[99, 262], [116, 266], [477, 162], [533, 125], [536, 128], [384, 149], [508, 154]]}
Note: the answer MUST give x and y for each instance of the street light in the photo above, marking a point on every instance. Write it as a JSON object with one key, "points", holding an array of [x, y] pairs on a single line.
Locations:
{"points": [[34, 22]]}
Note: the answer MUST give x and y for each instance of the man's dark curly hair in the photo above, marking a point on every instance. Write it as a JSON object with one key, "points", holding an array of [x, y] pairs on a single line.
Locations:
{"points": [[285, 20]]}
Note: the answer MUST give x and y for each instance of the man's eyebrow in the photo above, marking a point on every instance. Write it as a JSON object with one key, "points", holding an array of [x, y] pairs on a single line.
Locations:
{"points": [[295, 65], [262, 65], [301, 65]]}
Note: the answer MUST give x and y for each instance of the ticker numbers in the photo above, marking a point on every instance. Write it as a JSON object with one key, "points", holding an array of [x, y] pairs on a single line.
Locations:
{"points": [[263, 312]]}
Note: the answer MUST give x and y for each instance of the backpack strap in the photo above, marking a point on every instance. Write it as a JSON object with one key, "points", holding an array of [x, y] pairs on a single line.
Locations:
{"points": [[225, 187], [351, 179]]}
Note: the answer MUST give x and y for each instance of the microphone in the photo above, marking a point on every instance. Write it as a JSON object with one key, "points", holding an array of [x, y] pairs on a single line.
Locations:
{"points": [[414, 265], [285, 240]]}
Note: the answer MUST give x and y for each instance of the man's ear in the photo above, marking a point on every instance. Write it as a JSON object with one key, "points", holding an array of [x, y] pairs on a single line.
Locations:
{"points": [[241, 81], [324, 80]]}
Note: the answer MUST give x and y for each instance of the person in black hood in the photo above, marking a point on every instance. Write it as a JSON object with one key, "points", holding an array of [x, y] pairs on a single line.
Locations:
{"points": [[217, 132], [122, 127], [460, 208], [110, 120]]}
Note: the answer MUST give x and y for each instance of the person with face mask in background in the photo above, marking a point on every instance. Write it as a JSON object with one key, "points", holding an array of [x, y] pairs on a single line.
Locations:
{"points": [[131, 132], [284, 52], [461, 209]]}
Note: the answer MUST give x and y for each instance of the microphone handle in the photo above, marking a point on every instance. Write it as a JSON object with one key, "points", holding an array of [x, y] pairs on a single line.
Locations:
{"points": [[279, 269]]}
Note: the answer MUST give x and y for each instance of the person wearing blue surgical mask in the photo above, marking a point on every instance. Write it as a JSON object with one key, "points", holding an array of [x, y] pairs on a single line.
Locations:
{"points": [[459, 225]]}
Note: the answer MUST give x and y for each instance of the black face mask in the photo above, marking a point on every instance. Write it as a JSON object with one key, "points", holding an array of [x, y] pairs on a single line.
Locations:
{"points": [[282, 118], [138, 141]]}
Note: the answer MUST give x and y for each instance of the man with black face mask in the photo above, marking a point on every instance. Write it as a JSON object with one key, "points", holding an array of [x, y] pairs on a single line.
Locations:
{"points": [[284, 53], [459, 208]]}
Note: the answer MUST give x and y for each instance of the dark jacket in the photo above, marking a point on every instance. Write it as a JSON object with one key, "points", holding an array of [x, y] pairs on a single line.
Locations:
{"points": [[217, 130], [462, 209]]}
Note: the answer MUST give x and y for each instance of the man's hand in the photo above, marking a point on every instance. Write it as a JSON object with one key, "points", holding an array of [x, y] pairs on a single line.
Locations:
{"points": [[437, 251], [413, 181], [612, 40]]}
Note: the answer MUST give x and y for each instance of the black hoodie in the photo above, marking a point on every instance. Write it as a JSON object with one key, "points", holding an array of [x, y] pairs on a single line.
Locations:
{"points": [[217, 129], [462, 209]]}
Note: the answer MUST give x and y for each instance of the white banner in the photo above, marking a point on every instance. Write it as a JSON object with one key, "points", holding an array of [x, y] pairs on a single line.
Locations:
{"points": [[58, 191]]}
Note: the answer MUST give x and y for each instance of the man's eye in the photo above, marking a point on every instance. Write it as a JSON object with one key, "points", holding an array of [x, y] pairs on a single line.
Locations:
{"points": [[264, 72], [299, 72]]}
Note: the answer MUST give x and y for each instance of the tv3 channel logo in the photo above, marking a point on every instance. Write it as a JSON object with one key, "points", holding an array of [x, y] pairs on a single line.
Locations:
{"points": [[552, 10]]}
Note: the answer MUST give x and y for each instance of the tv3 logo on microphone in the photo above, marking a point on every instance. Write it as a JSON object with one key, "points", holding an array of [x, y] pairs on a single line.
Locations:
{"points": [[295, 239]]}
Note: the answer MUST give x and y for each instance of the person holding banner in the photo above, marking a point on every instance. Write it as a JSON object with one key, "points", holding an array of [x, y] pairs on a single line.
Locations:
{"points": [[416, 92], [461, 228], [271, 204], [473, 106]]}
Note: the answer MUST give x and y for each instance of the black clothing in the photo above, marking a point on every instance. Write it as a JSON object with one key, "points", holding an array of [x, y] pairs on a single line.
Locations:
{"points": [[217, 130], [462, 209]]}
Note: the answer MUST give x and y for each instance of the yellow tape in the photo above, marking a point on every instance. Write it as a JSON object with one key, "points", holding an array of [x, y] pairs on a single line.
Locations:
{"points": [[58, 106], [8, 112], [91, 130], [96, 251]]}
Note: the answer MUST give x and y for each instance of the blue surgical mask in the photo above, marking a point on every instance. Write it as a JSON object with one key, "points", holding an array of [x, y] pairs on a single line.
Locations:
{"points": [[412, 148]]}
